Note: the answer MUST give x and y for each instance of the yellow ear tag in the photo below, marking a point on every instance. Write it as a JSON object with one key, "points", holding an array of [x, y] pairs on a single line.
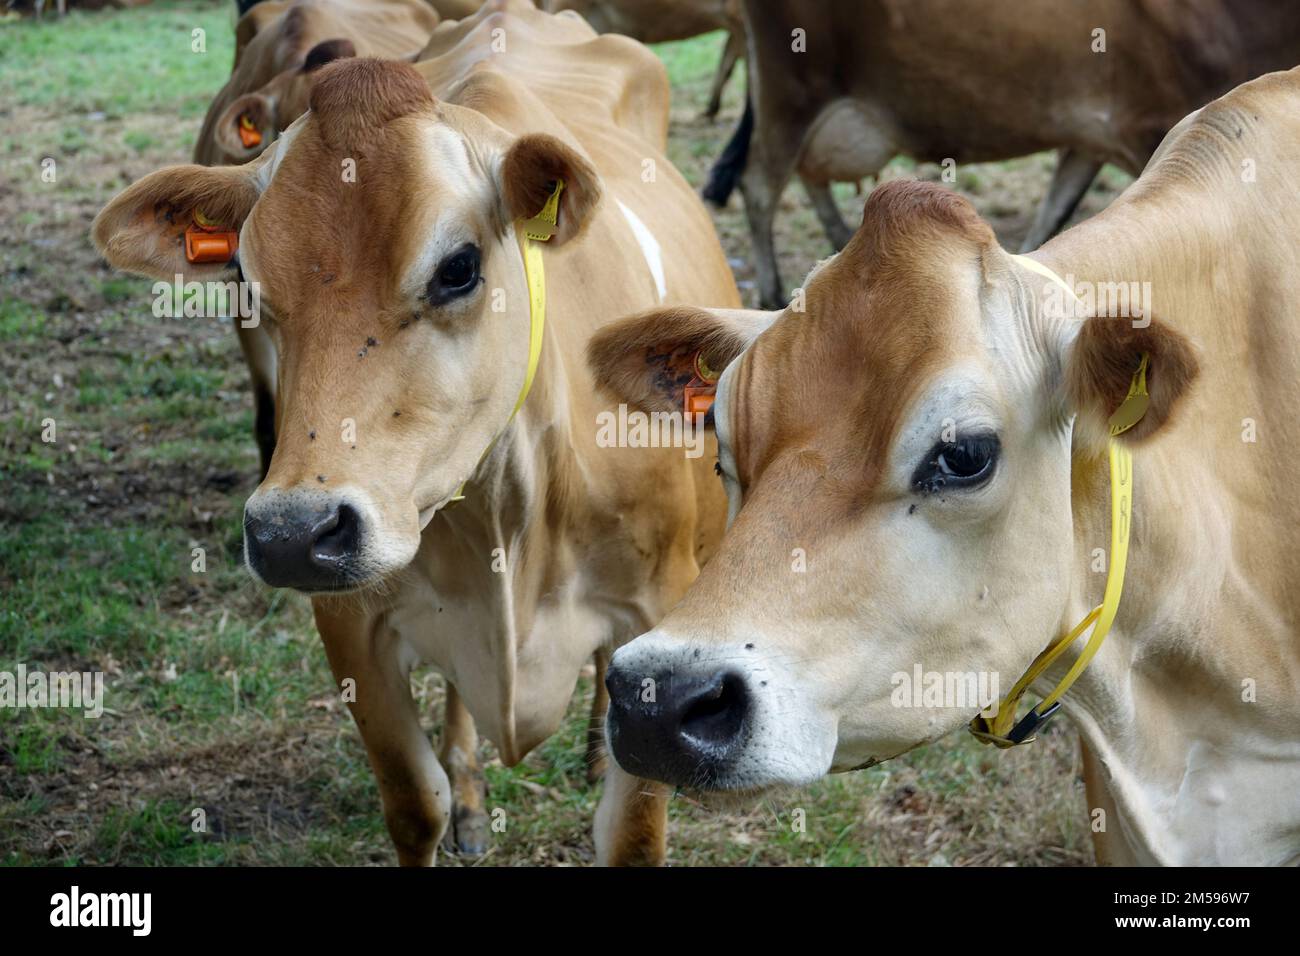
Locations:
{"points": [[1135, 405]]}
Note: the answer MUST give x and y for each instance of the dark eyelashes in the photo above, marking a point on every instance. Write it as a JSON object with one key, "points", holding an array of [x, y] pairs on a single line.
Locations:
{"points": [[966, 462]]}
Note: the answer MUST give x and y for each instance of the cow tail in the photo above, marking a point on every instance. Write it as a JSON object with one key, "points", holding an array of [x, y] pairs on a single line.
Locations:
{"points": [[729, 166]]}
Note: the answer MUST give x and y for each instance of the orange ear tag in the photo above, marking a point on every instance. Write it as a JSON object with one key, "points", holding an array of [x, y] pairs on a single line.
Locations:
{"points": [[205, 241], [249, 134], [698, 396]]}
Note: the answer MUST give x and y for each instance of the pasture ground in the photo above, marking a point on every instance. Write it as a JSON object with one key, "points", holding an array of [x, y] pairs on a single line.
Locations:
{"points": [[219, 693]]}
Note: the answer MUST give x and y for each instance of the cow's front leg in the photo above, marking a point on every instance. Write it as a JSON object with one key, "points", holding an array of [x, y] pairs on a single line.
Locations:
{"points": [[459, 754], [259, 353], [632, 820], [597, 757], [415, 791], [1108, 841]]}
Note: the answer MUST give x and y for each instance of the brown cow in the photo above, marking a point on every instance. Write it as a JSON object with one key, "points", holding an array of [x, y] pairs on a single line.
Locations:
{"points": [[840, 87], [932, 432], [279, 46], [660, 21], [268, 36], [397, 302]]}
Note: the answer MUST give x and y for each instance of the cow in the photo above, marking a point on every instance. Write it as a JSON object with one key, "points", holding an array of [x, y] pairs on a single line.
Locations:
{"points": [[840, 87], [279, 47], [290, 42], [434, 506], [939, 434], [660, 21]]}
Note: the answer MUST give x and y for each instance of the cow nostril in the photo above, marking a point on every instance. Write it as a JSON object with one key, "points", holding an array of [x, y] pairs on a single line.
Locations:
{"points": [[336, 536], [716, 715]]}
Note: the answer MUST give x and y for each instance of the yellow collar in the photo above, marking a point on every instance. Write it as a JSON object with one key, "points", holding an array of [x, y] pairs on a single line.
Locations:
{"points": [[531, 231], [998, 729]]}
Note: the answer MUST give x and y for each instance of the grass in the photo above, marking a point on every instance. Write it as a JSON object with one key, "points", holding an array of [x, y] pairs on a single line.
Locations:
{"points": [[219, 697]]}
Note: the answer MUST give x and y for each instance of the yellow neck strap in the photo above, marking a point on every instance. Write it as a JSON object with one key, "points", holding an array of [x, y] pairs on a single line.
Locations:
{"points": [[531, 231], [1001, 729]]}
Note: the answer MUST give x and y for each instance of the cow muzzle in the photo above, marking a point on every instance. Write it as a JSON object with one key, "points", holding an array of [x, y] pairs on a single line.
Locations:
{"points": [[310, 546], [681, 726]]}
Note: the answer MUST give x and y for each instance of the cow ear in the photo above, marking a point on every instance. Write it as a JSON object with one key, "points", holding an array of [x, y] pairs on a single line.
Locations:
{"points": [[142, 230], [1099, 371], [247, 127], [648, 360], [529, 171], [327, 51]]}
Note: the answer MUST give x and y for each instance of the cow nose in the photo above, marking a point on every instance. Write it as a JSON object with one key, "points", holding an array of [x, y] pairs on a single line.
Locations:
{"points": [[678, 726], [309, 549]]}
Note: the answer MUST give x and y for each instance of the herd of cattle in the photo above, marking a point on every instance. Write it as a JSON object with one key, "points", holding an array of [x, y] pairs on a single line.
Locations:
{"points": [[913, 455]]}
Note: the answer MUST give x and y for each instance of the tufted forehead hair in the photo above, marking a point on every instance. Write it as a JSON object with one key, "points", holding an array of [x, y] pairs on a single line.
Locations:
{"points": [[355, 98], [901, 215]]}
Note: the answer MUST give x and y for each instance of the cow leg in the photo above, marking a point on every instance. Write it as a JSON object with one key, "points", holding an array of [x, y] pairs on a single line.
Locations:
{"points": [[731, 53], [764, 179], [596, 755], [837, 230], [1109, 844], [631, 821], [468, 832], [259, 353], [1074, 174], [412, 784]]}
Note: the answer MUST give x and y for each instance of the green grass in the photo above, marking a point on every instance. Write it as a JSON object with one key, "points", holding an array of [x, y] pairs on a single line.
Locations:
{"points": [[219, 696], [119, 63]]}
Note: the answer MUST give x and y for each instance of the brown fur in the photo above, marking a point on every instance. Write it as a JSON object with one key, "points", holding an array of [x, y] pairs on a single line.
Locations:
{"points": [[879, 318], [144, 231], [327, 51], [529, 172], [936, 90], [353, 97], [1101, 367], [279, 46], [620, 354]]}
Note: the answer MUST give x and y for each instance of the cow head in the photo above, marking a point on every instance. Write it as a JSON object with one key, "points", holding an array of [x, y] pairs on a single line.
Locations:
{"points": [[253, 121], [381, 232], [898, 458]]}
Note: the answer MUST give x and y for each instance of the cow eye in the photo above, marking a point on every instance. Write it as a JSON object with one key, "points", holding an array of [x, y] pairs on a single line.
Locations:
{"points": [[963, 463], [456, 276]]}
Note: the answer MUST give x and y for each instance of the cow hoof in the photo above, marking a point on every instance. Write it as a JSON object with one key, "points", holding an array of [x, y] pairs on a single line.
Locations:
{"points": [[468, 833]]}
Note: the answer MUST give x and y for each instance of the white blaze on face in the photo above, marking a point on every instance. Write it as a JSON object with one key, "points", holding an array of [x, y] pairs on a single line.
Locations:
{"points": [[443, 212]]}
